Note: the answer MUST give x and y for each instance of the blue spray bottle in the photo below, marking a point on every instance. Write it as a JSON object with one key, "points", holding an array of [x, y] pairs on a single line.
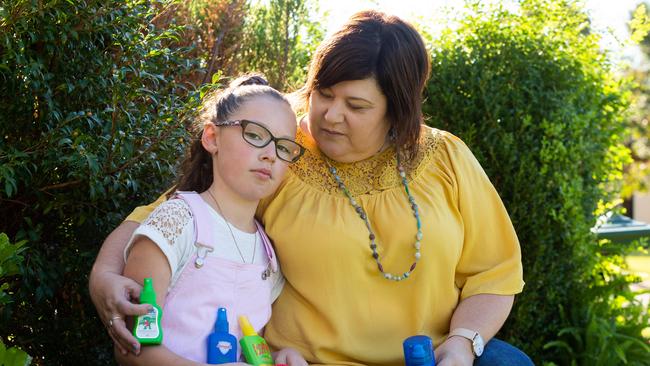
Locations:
{"points": [[222, 346], [418, 351]]}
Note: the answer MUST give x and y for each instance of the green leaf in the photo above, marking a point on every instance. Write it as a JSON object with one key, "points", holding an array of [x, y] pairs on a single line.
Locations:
{"points": [[17, 357], [3, 351], [216, 77], [640, 24]]}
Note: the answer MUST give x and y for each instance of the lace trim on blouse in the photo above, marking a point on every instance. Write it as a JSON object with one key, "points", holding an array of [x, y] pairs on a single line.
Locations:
{"points": [[169, 219], [373, 175]]}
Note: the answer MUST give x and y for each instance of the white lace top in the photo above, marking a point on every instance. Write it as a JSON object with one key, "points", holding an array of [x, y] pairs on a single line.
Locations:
{"points": [[171, 227]]}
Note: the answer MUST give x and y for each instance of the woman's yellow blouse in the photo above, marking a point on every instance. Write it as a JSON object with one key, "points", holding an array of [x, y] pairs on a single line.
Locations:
{"points": [[336, 307]]}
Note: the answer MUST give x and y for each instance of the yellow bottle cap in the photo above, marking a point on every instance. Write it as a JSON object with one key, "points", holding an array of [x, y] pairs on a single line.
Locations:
{"points": [[246, 327]]}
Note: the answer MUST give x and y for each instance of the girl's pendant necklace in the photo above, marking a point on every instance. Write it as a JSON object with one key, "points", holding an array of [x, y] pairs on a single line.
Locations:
{"points": [[362, 213], [233, 235]]}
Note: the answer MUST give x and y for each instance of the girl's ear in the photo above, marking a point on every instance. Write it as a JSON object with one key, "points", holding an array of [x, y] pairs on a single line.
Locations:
{"points": [[209, 138]]}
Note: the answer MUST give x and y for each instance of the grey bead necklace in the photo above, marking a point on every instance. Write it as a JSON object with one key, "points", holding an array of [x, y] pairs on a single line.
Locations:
{"points": [[362, 214]]}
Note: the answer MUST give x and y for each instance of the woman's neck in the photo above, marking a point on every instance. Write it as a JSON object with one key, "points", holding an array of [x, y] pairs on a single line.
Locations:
{"points": [[239, 212]]}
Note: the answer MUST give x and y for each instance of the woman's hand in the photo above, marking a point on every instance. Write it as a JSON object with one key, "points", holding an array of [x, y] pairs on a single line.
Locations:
{"points": [[111, 293], [290, 357], [455, 351]]}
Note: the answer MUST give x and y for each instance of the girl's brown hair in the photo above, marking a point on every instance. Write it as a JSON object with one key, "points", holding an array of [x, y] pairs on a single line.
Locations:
{"points": [[195, 172], [374, 44]]}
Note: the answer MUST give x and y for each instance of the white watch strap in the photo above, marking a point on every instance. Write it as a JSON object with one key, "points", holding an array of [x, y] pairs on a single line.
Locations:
{"points": [[473, 336], [463, 332]]}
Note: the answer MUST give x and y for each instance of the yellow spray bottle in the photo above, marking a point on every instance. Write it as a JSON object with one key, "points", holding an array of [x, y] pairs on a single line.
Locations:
{"points": [[147, 328], [254, 347]]}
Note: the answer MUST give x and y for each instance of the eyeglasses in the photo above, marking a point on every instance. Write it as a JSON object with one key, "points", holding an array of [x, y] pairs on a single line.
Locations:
{"points": [[259, 136]]}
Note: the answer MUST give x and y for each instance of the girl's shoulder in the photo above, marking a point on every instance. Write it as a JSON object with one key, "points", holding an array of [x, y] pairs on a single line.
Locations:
{"points": [[172, 214]]}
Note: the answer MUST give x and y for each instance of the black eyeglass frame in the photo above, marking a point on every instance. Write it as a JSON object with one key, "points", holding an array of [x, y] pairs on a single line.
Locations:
{"points": [[244, 122]]}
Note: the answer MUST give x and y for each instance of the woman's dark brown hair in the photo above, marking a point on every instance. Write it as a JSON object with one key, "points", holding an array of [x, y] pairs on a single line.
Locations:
{"points": [[374, 44], [195, 173]]}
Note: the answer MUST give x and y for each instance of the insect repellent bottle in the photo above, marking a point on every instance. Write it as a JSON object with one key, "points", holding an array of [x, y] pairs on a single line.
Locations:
{"points": [[147, 328], [254, 347], [222, 346], [418, 351]]}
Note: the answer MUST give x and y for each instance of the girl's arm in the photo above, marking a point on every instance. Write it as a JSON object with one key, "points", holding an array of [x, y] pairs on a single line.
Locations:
{"points": [[159, 355], [147, 260]]}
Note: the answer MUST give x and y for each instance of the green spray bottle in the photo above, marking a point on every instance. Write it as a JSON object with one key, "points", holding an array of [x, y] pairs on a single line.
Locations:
{"points": [[254, 347], [147, 329]]}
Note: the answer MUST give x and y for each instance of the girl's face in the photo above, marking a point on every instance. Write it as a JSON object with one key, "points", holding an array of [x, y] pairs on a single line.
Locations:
{"points": [[250, 172], [348, 120]]}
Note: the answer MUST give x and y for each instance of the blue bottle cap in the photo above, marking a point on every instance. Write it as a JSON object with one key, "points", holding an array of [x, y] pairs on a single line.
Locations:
{"points": [[418, 351]]}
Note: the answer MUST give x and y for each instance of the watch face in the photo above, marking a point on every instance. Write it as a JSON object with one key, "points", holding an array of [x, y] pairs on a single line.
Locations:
{"points": [[478, 347]]}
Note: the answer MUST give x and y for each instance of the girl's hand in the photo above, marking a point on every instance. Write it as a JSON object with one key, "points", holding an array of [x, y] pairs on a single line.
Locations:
{"points": [[290, 357], [111, 294], [455, 351]]}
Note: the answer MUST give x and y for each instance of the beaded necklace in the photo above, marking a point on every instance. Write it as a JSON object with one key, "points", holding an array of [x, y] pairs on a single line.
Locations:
{"points": [[362, 213]]}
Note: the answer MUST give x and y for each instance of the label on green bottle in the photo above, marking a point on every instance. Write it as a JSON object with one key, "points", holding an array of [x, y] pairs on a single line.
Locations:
{"points": [[147, 325]]}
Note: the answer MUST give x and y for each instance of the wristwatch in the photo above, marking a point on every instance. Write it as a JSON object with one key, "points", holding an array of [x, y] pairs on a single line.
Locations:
{"points": [[473, 336]]}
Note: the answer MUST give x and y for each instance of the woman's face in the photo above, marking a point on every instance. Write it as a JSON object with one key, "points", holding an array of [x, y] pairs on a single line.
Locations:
{"points": [[348, 120]]}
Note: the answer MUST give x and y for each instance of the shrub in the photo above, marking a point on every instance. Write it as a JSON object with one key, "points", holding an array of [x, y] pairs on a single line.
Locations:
{"points": [[607, 333], [91, 124], [532, 95]]}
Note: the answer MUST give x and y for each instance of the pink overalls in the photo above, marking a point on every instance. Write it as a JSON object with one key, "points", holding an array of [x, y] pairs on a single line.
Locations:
{"points": [[207, 283]]}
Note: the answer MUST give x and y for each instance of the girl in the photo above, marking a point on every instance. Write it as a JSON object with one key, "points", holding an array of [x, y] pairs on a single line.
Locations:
{"points": [[205, 250]]}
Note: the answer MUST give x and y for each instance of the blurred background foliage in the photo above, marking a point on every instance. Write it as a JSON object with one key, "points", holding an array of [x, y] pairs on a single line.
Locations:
{"points": [[96, 100], [537, 100], [637, 177]]}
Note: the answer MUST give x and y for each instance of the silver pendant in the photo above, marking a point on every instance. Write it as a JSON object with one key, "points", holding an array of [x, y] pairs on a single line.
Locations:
{"points": [[198, 263]]}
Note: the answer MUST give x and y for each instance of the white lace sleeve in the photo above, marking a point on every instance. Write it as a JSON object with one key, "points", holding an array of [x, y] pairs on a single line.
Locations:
{"points": [[171, 227]]}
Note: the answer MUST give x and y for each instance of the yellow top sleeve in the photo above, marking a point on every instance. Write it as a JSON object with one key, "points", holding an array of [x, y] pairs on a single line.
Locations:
{"points": [[142, 212]]}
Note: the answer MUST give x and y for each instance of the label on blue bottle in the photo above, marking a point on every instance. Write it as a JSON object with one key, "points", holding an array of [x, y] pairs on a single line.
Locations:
{"points": [[224, 347]]}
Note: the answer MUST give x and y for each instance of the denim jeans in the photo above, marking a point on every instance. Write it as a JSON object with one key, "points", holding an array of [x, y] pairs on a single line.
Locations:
{"points": [[500, 353]]}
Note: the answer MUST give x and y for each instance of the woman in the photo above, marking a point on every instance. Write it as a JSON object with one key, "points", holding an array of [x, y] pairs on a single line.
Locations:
{"points": [[384, 229]]}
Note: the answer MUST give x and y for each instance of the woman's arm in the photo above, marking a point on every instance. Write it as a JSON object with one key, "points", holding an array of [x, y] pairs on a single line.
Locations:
{"points": [[111, 292], [289, 357], [484, 313]]}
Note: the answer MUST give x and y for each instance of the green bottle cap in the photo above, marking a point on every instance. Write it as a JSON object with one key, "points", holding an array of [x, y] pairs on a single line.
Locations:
{"points": [[148, 295]]}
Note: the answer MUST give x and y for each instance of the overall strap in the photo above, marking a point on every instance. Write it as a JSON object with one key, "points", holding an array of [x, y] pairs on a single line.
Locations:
{"points": [[203, 235], [202, 219], [268, 247]]}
